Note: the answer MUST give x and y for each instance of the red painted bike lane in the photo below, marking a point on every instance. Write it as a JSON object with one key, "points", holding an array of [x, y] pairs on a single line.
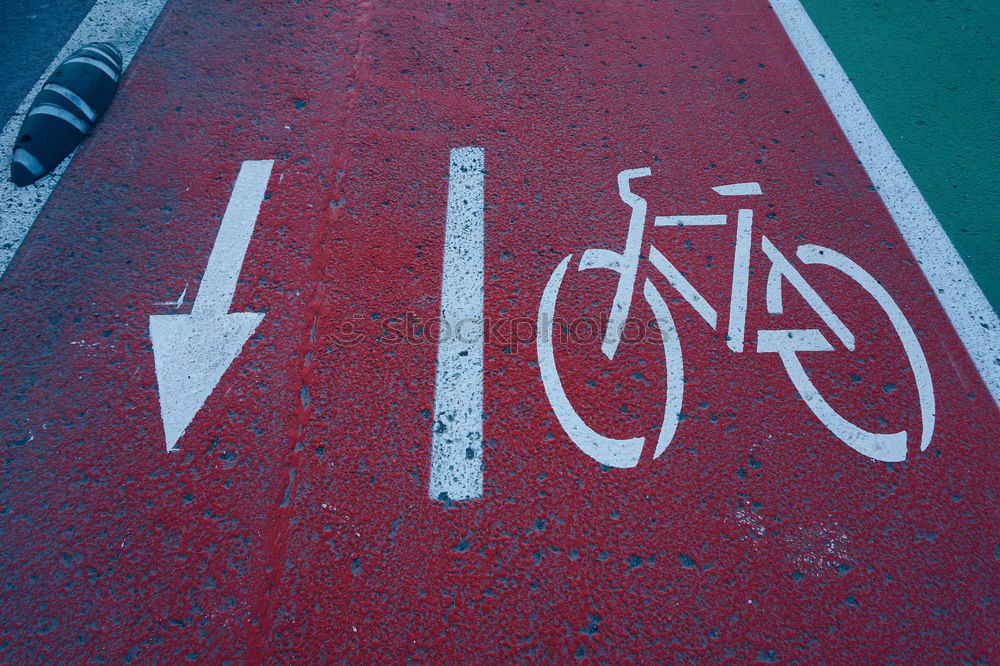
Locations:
{"points": [[114, 547], [294, 521]]}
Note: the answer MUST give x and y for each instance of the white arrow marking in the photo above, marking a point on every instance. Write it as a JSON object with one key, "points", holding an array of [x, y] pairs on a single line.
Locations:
{"points": [[191, 352]]}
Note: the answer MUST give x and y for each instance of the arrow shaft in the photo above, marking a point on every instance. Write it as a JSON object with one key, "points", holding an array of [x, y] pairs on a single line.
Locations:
{"points": [[215, 294]]}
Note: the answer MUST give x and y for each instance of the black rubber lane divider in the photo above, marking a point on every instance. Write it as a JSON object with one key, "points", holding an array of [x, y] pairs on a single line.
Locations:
{"points": [[68, 105]]}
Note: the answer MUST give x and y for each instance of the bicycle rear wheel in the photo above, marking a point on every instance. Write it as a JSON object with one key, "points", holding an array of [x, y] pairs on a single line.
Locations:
{"points": [[609, 451]]}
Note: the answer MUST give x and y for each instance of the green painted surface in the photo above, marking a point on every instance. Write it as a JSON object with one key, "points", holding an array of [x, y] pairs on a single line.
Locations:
{"points": [[929, 71]]}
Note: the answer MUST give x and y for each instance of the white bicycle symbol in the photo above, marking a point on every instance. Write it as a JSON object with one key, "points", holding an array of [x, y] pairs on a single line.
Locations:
{"points": [[890, 447]]}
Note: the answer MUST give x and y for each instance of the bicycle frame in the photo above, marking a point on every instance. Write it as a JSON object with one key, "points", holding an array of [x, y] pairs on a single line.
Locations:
{"points": [[786, 343], [626, 264]]}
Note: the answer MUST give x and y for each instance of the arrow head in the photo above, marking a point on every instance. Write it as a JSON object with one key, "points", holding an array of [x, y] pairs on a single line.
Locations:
{"points": [[191, 353]]}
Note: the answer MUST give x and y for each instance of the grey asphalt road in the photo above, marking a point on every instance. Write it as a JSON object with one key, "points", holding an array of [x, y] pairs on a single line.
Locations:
{"points": [[31, 34]]}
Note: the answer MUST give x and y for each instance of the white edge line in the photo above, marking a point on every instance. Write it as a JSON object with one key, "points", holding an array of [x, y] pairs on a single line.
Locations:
{"points": [[122, 22], [970, 313]]}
